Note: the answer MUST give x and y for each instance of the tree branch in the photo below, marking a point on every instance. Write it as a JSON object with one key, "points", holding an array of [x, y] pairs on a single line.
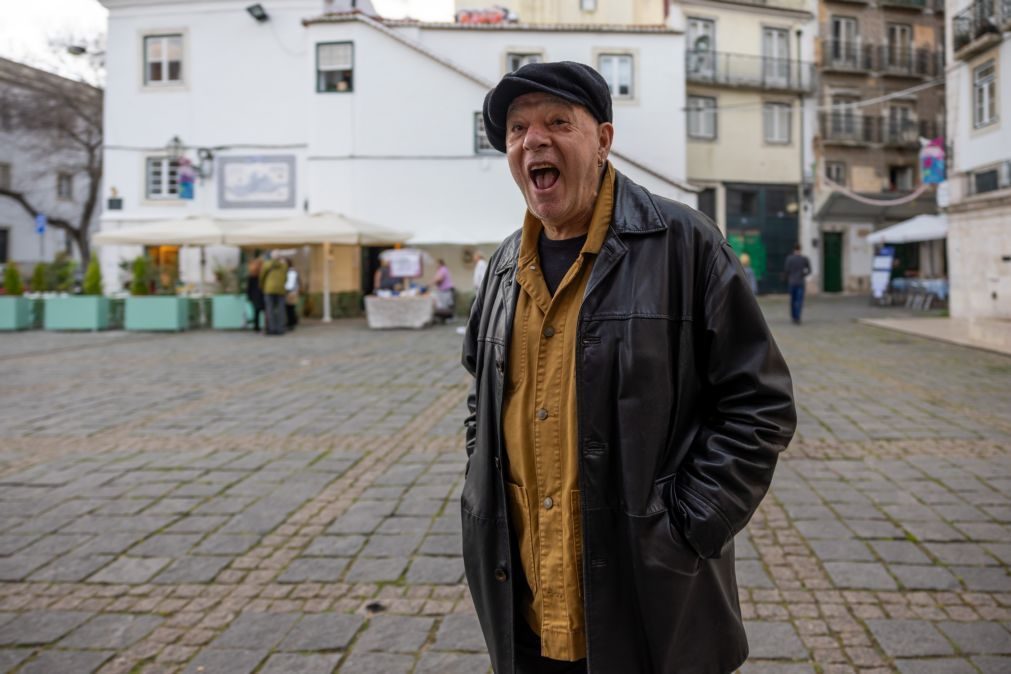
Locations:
{"points": [[20, 198]]}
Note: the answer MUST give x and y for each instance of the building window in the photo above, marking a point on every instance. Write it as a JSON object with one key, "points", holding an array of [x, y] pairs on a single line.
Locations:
{"points": [[588, 5], [984, 83], [900, 178], [162, 178], [776, 56], [701, 48], [702, 117], [481, 143], [776, 120], [617, 71], [4, 233], [845, 42], [990, 180], [900, 40], [64, 186], [516, 60], [5, 176], [836, 172], [335, 66], [163, 59], [844, 117]]}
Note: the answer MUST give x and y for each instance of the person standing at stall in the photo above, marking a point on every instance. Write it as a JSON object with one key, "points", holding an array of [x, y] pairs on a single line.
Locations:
{"points": [[291, 288], [272, 279], [253, 291]]}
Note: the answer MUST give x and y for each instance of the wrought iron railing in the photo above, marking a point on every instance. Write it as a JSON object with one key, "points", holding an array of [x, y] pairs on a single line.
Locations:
{"points": [[724, 68], [905, 4], [851, 126], [884, 58], [979, 19]]}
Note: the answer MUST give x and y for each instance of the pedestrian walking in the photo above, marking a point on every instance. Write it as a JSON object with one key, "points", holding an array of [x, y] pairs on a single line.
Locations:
{"points": [[272, 279], [445, 292], [292, 285], [629, 404], [749, 272], [797, 268], [253, 291], [480, 268]]}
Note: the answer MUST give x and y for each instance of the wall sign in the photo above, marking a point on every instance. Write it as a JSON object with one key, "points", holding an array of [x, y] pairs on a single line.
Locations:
{"points": [[256, 182]]}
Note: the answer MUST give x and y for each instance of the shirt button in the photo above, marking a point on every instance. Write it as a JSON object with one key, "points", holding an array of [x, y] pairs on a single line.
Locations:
{"points": [[542, 414], [548, 503], [549, 331]]}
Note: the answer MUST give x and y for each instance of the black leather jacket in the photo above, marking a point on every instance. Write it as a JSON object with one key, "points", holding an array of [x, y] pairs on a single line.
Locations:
{"points": [[684, 405]]}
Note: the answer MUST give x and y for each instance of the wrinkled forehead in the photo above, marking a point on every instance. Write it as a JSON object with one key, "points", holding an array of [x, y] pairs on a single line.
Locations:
{"points": [[541, 99]]}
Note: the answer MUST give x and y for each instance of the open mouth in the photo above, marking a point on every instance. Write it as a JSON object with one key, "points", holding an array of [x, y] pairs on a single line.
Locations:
{"points": [[544, 176]]}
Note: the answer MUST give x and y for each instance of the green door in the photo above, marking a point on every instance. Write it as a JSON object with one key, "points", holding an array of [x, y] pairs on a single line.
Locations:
{"points": [[762, 222], [831, 245]]}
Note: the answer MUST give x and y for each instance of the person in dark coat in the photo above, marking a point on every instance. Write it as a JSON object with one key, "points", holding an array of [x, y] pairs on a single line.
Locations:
{"points": [[253, 292], [628, 408]]}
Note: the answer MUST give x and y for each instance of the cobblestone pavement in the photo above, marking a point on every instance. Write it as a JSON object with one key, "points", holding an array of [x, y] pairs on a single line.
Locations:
{"points": [[228, 503]]}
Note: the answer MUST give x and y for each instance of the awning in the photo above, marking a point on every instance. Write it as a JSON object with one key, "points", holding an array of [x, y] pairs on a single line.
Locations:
{"points": [[331, 228], [920, 228], [192, 231]]}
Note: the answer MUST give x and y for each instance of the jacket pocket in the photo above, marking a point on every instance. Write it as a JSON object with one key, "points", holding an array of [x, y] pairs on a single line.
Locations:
{"points": [[519, 517], [576, 523]]}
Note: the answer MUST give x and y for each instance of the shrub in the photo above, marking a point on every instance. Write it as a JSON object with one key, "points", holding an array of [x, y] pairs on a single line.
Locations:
{"points": [[12, 280], [40, 278], [141, 274], [61, 273], [227, 279], [93, 278]]}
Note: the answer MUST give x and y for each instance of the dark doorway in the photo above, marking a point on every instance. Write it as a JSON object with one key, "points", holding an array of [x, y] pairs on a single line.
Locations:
{"points": [[831, 246], [762, 222], [707, 202]]}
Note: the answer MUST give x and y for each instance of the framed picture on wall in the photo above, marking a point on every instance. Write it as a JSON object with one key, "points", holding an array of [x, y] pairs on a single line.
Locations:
{"points": [[256, 182]]}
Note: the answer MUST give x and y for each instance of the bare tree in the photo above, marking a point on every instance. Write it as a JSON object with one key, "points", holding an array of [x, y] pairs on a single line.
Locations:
{"points": [[57, 116]]}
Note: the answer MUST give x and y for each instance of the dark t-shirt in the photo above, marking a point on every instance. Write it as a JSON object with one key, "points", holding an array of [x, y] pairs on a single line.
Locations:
{"points": [[557, 257]]}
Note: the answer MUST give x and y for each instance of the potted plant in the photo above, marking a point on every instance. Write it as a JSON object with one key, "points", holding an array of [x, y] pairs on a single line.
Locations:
{"points": [[228, 307], [89, 311], [14, 313], [160, 312]]}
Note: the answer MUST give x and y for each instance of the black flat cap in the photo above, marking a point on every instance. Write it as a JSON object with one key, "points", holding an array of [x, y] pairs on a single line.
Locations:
{"points": [[570, 81]]}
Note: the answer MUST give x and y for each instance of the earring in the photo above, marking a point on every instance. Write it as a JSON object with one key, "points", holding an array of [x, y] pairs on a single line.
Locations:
{"points": [[600, 162]]}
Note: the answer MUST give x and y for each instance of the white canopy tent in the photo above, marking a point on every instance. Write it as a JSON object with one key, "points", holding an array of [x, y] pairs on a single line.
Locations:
{"points": [[324, 228], [198, 230], [921, 228]]}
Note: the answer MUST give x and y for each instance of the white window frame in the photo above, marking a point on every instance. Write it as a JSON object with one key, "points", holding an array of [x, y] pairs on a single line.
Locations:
{"points": [[166, 167], [701, 56], [65, 186], [836, 171], [845, 51], [524, 57], [345, 66], [775, 55], [700, 109], [984, 95], [899, 42], [588, 5], [612, 73], [777, 123], [481, 143], [164, 37]]}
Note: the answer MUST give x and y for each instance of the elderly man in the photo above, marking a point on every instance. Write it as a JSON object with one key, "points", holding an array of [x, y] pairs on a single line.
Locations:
{"points": [[628, 408]]}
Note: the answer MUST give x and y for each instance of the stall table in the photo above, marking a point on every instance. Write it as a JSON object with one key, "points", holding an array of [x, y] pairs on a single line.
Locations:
{"points": [[401, 311]]}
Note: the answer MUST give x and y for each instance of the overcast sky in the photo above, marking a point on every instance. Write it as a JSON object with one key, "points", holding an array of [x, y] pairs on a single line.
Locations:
{"points": [[26, 25]]}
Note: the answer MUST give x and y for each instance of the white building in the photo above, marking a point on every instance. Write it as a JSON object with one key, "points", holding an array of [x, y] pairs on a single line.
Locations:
{"points": [[979, 129], [378, 120], [49, 179]]}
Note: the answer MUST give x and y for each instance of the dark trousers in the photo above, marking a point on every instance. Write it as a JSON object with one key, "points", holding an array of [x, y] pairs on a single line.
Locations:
{"points": [[256, 317], [291, 311], [796, 302], [275, 314], [529, 659]]}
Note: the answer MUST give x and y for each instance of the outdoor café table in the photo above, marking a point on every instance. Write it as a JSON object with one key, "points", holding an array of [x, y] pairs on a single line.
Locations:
{"points": [[401, 311]]}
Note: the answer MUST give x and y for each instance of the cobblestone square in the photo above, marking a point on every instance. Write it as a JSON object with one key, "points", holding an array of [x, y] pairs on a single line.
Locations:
{"points": [[222, 502]]}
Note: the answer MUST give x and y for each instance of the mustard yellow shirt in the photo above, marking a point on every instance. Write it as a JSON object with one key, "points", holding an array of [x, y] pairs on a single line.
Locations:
{"points": [[541, 436]]}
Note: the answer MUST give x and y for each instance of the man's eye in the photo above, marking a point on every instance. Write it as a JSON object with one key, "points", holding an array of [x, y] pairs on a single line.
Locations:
{"points": [[559, 122], [515, 127]]}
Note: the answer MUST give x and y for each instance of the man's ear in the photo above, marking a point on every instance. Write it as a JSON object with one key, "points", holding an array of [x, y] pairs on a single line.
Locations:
{"points": [[605, 136]]}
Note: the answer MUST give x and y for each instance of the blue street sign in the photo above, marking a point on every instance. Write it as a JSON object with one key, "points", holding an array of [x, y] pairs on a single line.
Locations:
{"points": [[40, 223]]}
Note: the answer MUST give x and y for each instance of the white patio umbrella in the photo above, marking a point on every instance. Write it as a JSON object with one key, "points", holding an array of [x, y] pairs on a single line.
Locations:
{"points": [[324, 228], [924, 227], [195, 230]]}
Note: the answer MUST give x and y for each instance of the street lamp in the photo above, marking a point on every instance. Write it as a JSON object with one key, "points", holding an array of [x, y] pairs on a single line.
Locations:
{"points": [[258, 12]]}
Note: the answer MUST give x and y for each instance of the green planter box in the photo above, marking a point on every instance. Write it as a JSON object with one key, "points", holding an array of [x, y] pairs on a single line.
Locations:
{"points": [[15, 313], [164, 313], [228, 312], [85, 312]]}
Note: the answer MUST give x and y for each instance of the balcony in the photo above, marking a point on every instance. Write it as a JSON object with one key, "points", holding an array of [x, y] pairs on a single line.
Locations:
{"points": [[889, 60], [796, 5], [979, 27], [849, 127], [744, 70], [915, 5]]}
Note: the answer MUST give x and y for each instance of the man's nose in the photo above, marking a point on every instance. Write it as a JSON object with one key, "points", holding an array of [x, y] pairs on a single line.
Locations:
{"points": [[536, 137]]}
